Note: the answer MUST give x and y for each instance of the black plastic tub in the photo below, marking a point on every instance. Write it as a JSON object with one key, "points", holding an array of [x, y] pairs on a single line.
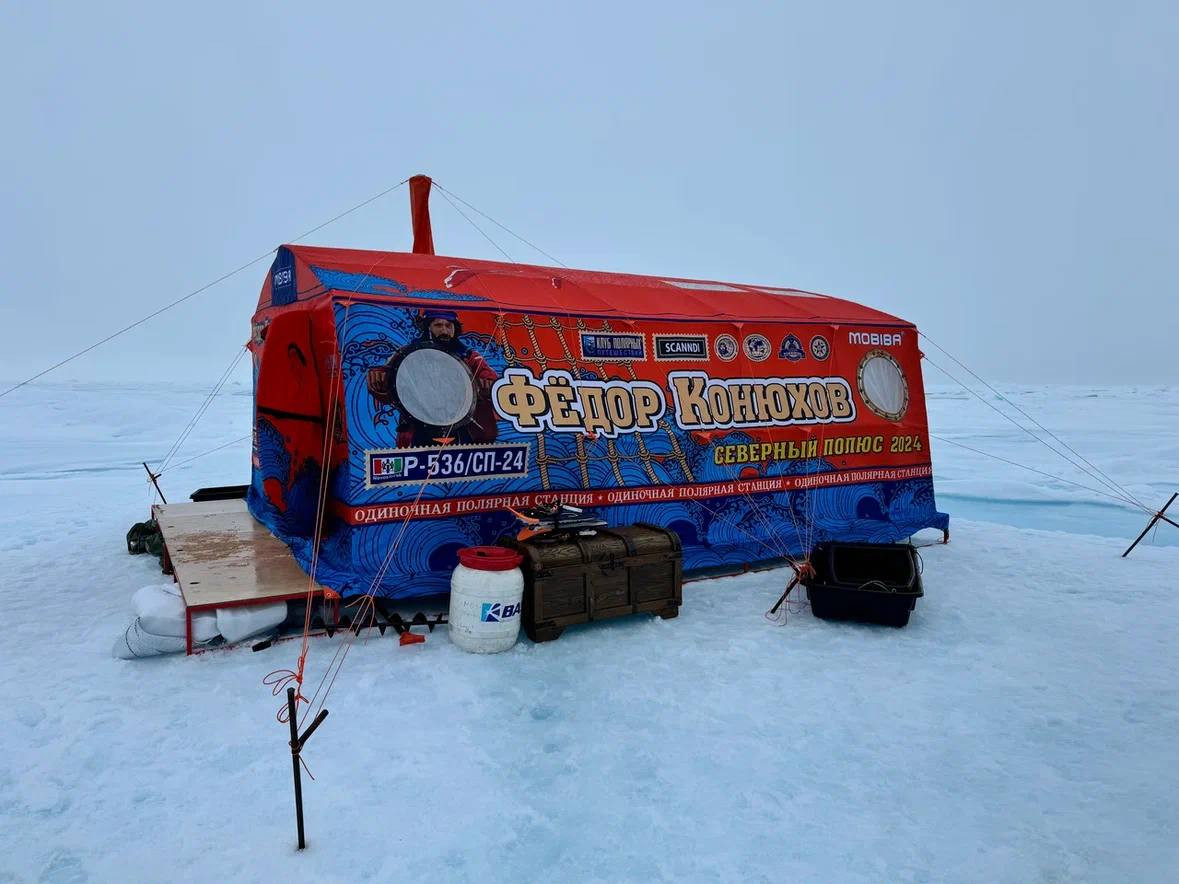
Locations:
{"points": [[220, 492], [867, 582]]}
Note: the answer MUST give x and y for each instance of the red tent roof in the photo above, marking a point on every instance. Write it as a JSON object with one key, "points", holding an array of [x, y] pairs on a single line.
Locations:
{"points": [[419, 278]]}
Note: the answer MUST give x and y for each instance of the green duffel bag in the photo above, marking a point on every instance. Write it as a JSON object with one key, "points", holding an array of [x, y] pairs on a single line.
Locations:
{"points": [[145, 537]]}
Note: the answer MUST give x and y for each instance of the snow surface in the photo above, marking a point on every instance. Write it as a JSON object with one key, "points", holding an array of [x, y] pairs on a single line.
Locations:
{"points": [[1021, 728]]}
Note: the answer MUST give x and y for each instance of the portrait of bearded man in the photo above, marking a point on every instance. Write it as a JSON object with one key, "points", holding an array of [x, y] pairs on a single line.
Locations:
{"points": [[441, 330]]}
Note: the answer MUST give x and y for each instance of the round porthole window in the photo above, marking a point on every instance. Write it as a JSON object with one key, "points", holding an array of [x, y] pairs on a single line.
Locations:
{"points": [[433, 386], [882, 385]]}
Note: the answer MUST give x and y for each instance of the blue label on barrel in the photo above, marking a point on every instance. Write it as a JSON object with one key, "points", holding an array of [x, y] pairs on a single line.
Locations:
{"points": [[494, 612]]}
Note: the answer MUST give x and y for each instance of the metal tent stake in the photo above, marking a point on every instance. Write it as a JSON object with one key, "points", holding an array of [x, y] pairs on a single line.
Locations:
{"points": [[297, 743], [793, 583], [1157, 516], [153, 477]]}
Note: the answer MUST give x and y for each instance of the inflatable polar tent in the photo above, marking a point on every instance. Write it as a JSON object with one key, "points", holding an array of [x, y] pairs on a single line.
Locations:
{"points": [[443, 393]]}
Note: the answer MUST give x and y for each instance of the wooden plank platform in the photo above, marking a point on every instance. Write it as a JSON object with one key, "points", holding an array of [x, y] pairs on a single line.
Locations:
{"points": [[222, 557]]}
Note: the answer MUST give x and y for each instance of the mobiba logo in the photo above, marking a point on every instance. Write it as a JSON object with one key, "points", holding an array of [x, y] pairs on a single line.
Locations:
{"points": [[875, 339]]}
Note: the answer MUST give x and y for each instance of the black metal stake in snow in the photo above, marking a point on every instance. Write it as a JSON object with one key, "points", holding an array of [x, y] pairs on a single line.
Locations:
{"points": [[1157, 516], [297, 747], [793, 583], [153, 477]]}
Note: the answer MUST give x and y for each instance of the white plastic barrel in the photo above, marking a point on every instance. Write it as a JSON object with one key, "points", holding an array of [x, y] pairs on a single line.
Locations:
{"points": [[486, 594]]}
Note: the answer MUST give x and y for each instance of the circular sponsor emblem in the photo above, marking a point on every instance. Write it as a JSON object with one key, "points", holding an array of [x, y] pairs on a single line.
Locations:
{"points": [[757, 347], [820, 349], [791, 349], [882, 385], [726, 347]]}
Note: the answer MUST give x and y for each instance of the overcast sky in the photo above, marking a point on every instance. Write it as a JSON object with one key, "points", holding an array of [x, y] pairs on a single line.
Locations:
{"points": [[1003, 175]]}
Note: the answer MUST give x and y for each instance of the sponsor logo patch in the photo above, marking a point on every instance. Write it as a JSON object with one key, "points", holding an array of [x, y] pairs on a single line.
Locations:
{"points": [[875, 339], [757, 347], [726, 347], [681, 348], [791, 349], [613, 346], [282, 279], [820, 349]]}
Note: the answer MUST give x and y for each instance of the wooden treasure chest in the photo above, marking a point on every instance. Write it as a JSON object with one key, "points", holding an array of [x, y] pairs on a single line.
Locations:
{"points": [[575, 576]]}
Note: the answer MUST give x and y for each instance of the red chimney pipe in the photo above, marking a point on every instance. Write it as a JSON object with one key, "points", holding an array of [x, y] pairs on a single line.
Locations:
{"points": [[419, 213]]}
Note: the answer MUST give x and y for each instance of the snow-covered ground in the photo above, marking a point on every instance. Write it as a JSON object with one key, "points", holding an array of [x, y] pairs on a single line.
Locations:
{"points": [[1022, 727], [1130, 433]]}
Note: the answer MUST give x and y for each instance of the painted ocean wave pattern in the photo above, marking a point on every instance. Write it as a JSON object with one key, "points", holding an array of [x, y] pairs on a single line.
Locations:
{"points": [[372, 334], [415, 558], [409, 559], [371, 284], [287, 502]]}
